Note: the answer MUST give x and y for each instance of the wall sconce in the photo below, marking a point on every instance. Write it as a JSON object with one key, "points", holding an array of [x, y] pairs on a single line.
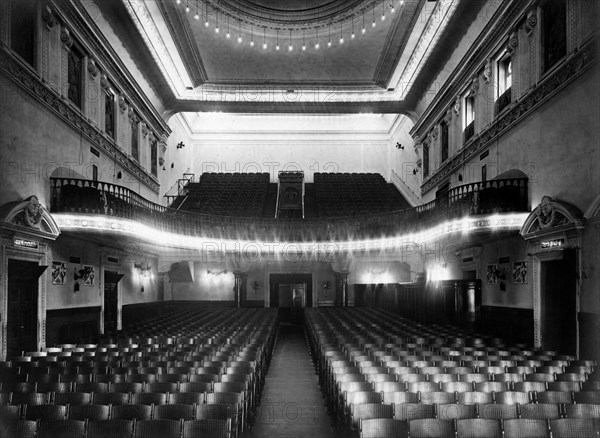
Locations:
{"points": [[145, 272], [180, 145], [209, 272], [399, 146], [77, 275], [326, 285], [255, 285], [415, 171]]}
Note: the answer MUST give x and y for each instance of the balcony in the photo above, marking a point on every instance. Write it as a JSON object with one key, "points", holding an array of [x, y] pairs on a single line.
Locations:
{"points": [[469, 131], [69, 195]]}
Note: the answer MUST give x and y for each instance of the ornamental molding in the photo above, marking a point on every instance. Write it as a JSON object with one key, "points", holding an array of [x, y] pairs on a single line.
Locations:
{"points": [[552, 217], [80, 21], [513, 42], [497, 28], [562, 77], [25, 79]]}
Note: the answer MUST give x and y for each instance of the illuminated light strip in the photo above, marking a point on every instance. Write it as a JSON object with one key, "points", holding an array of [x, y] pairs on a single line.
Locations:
{"points": [[126, 227]]}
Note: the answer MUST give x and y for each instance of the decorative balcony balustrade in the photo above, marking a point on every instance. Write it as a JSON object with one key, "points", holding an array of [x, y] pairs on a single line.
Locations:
{"points": [[504, 100], [71, 195], [469, 131]]}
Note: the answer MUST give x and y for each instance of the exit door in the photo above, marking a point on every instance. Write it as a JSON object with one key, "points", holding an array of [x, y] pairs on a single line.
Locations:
{"points": [[111, 301], [22, 316]]}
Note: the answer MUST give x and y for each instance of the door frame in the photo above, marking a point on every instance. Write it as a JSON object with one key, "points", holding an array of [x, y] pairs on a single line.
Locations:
{"points": [[310, 286], [35, 256]]}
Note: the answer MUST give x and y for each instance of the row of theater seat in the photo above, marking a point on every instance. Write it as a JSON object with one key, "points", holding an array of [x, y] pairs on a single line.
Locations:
{"points": [[159, 428], [374, 365], [228, 194], [195, 365], [349, 194]]}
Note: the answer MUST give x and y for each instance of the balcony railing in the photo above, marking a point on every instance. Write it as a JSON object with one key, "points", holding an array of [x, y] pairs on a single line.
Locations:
{"points": [[96, 197], [469, 131]]}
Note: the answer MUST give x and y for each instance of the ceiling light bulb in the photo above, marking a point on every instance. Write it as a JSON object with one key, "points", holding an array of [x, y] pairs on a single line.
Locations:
{"points": [[342, 40], [228, 35], [373, 24], [178, 2], [352, 36], [401, 2], [329, 44], [196, 16], [383, 17], [187, 9], [364, 30], [206, 23], [239, 39], [217, 29], [290, 47], [317, 45], [277, 46], [252, 43], [393, 9], [303, 46]]}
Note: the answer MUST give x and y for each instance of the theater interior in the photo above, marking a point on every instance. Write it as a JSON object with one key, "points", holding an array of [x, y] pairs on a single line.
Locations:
{"points": [[320, 218]]}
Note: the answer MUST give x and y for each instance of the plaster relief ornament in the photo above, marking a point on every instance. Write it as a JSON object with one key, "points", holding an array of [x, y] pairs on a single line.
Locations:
{"points": [[546, 214], [32, 215]]}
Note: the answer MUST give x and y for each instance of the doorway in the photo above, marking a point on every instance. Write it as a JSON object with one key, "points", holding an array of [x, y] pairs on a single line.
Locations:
{"points": [[22, 312], [290, 290], [111, 301], [558, 303]]}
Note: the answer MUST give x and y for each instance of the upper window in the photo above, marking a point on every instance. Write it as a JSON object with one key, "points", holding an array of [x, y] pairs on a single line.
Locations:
{"points": [[554, 28], [109, 113], [425, 160], [22, 29], [135, 146], [153, 157], [504, 75], [75, 76], [444, 135], [469, 116]]}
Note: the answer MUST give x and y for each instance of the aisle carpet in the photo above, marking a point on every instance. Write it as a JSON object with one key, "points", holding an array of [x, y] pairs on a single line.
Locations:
{"points": [[292, 405]]}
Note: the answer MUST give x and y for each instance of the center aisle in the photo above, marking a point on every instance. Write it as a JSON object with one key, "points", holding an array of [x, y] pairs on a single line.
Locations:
{"points": [[291, 404]]}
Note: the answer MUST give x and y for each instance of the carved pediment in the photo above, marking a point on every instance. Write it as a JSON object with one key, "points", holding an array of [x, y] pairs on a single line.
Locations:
{"points": [[29, 216], [552, 216]]}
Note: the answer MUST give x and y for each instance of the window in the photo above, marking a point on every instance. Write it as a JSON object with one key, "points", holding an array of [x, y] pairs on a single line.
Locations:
{"points": [[504, 74], [554, 31], [94, 173], [469, 116], [425, 160], [444, 134], [135, 146], [22, 29], [153, 157], [484, 173], [74, 76], [109, 113]]}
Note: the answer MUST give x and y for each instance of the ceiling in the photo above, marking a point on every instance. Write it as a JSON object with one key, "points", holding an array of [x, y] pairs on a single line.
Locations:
{"points": [[370, 73]]}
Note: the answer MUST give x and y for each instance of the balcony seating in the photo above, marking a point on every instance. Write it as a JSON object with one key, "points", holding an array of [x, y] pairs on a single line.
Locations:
{"points": [[228, 194], [354, 194]]}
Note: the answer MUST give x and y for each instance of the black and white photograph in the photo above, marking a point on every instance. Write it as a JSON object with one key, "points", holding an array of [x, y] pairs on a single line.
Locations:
{"points": [[320, 218]]}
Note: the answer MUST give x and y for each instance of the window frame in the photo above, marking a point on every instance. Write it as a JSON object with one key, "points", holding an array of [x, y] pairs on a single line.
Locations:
{"points": [[35, 24]]}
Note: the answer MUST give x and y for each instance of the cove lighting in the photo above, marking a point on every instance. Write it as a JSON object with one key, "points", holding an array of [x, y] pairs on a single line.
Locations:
{"points": [[125, 227]]}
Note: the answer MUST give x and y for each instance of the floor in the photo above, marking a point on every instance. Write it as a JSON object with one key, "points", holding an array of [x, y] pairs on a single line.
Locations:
{"points": [[292, 405]]}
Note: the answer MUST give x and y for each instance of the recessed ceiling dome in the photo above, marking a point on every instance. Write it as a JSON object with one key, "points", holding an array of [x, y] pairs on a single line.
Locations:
{"points": [[291, 13]]}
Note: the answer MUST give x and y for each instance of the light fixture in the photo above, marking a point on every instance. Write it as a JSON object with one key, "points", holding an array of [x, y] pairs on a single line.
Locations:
{"points": [[205, 13], [303, 39], [228, 33], [341, 34], [255, 285], [145, 271], [239, 40], [317, 43], [415, 171], [373, 24], [252, 36], [290, 47], [399, 146], [217, 22], [364, 29], [180, 145], [264, 38], [187, 6], [213, 272], [352, 36], [329, 42]]}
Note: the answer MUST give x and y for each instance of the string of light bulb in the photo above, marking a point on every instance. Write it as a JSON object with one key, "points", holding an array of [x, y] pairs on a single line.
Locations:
{"points": [[296, 33]]}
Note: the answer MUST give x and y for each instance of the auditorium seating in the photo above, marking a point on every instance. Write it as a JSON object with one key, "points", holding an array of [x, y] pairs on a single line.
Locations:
{"points": [[388, 376], [353, 194], [162, 356], [228, 194]]}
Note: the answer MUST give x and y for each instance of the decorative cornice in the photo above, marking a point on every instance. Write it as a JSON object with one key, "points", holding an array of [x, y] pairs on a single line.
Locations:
{"points": [[80, 21], [569, 71], [25, 79], [497, 28]]}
